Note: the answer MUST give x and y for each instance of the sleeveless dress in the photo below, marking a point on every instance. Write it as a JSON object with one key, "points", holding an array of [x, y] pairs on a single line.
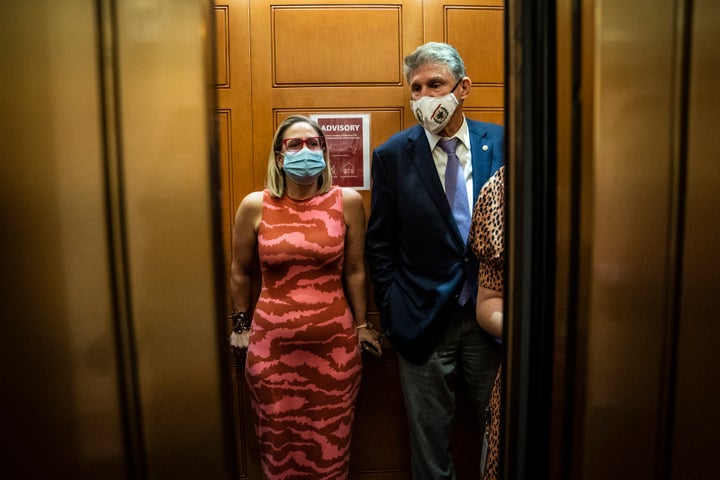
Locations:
{"points": [[303, 362]]}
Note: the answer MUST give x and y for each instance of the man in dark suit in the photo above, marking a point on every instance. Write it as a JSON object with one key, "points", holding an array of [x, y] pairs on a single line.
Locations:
{"points": [[424, 274]]}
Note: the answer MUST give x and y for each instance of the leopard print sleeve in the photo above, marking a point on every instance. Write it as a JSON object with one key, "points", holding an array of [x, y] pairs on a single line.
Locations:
{"points": [[487, 231]]}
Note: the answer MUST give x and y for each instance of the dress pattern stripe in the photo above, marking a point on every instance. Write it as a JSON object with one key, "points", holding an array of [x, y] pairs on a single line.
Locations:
{"points": [[303, 363]]}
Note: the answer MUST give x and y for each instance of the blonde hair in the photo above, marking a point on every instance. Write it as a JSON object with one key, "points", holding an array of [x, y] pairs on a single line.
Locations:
{"points": [[275, 178]]}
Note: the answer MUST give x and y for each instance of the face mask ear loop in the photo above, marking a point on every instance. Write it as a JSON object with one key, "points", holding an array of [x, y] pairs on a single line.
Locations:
{"points": [[456, 85]]}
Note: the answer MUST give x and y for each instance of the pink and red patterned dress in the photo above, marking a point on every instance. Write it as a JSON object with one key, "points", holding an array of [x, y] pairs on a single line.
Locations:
{"points": [[303, 363]]}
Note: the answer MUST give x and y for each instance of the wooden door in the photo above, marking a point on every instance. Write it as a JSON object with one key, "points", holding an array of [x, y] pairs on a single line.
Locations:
{"points": [[275, 59]]}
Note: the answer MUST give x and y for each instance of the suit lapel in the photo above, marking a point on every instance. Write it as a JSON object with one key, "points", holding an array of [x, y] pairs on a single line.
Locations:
{"points": [[480, 157], [418, 151]]}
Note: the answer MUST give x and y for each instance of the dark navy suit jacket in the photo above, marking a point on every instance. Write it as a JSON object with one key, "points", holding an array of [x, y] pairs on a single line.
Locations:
{"points": [[417, 258]]}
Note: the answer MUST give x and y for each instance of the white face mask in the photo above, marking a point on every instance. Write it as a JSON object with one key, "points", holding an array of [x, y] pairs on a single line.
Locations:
{"points": [[434, 113]]}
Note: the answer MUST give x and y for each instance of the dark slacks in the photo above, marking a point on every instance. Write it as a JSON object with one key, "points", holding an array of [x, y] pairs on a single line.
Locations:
{"points": [[429, 390]]}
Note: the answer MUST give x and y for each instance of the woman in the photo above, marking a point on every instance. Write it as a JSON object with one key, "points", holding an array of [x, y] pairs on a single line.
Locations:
{"points": [[303, 362], [487, 234]]}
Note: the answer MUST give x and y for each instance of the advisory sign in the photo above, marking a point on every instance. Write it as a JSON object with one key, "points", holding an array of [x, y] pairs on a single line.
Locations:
{"points": [[348, 139]]}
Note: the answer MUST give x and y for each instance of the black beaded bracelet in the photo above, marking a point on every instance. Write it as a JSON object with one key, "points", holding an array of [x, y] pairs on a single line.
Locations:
{"points": [[241, 322]]}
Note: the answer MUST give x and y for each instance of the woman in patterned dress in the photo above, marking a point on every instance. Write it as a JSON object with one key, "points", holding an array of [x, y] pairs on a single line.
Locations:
{"points": [[303, 363], [487, 233]]}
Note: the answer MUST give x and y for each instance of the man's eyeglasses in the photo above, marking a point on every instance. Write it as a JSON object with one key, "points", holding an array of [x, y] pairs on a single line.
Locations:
{"points": [[296, 144]]}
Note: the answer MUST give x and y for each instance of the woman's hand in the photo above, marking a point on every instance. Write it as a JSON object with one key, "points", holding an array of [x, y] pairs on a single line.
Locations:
{"points": [[370, 339], [239, 341]]}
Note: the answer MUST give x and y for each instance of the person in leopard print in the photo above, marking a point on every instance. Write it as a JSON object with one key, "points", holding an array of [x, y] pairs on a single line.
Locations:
{"points": [[487, 234]]}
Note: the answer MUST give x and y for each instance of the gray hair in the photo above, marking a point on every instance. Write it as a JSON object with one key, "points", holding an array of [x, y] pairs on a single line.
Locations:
{"points": [[437, 53]]}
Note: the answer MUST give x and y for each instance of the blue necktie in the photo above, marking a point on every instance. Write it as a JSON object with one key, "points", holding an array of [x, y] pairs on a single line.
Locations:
{"points": [[456, 192]]}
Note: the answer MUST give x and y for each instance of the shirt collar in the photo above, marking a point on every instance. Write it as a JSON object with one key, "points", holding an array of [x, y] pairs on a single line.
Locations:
{"points": [[463, 134]]}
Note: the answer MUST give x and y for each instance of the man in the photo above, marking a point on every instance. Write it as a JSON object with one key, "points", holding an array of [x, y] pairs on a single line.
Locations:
{"points": [[425, 276]]}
